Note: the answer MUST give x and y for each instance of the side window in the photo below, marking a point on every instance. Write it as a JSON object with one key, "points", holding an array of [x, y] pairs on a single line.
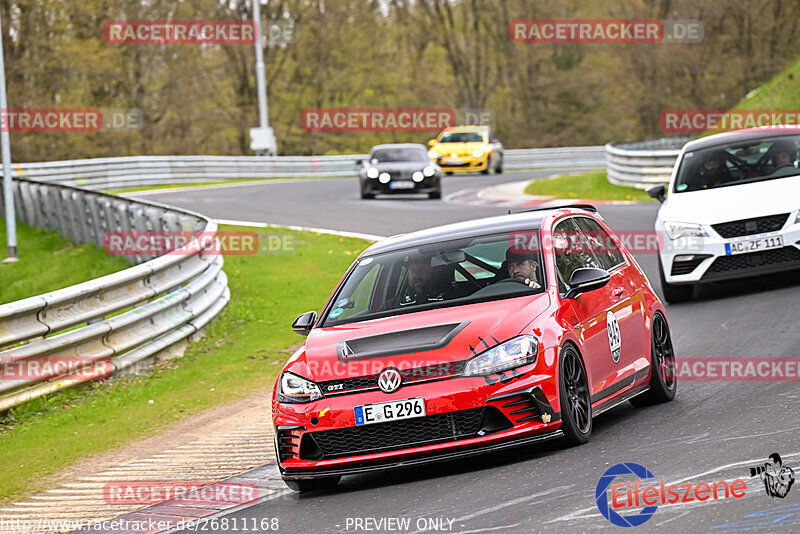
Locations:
{"points": [[570, 253], [607, 252]]}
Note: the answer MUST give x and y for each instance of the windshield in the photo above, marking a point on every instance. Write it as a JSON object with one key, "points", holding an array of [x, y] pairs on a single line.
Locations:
{"points": [[725, 165], [462, 137], [399, 154], [452, 273]]}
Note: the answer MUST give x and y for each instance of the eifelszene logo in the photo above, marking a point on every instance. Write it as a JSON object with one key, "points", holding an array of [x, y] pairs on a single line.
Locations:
{"points": [[629, 496]]}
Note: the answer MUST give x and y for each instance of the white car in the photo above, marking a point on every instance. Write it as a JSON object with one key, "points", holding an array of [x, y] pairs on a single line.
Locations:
{"points": [[731, 210]]}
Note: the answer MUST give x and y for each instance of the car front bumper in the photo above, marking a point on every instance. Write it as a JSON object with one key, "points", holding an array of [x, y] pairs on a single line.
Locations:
{"points": [[428, 185], [463, 163], [464, 416], [706, 259]]}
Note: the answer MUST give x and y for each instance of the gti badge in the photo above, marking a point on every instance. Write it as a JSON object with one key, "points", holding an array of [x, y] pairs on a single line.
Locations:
{"points": [[389, 380]]}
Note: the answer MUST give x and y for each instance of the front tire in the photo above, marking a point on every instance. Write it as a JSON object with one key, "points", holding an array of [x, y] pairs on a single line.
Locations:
{"points": [[574, 398], [674, 293], [433, 195], [663, 369], [488, 168], [314, 484]]}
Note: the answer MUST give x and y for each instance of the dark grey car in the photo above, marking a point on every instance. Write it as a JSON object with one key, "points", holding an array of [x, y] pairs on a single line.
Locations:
{"points": [[399, 168]]}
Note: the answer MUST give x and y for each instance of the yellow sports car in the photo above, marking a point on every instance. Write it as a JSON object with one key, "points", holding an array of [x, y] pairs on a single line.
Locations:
{"points": [[465, 149]]}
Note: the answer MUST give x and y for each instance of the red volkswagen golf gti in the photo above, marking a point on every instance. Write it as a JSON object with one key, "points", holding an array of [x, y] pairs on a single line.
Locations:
{"points": [[470, 338]]}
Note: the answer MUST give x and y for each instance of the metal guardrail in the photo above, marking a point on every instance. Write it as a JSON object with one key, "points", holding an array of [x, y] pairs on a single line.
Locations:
{"points": [[108, 173], [122, 318], [644, 163]]}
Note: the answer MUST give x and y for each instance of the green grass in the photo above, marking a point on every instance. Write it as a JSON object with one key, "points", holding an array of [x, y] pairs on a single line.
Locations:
{"points": [[587, 186], [49, 262], [779, 93], [241, 355], [201, 184]]}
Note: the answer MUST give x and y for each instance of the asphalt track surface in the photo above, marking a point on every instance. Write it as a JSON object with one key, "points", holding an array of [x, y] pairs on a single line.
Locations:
{"points": [[711, 431]]}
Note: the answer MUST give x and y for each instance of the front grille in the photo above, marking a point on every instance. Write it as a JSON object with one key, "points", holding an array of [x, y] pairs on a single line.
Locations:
{"points": [[754, 260], [758, 225], [381, 437], [409, 376], [686, 267]]}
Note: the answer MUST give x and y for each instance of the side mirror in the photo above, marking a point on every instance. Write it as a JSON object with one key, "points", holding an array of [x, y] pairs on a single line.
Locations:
{"points": [[431, 142], [359, 161], [658, 192], [303, 324], [586, 279]]}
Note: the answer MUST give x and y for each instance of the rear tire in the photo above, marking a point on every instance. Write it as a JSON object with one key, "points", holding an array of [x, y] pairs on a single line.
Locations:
{"points": [[674, 293], [663, 369], [314, 484], [574, 398]]}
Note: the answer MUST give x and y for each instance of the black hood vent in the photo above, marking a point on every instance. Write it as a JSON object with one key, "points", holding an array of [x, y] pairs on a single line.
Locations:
{"points": [[401, 342]]}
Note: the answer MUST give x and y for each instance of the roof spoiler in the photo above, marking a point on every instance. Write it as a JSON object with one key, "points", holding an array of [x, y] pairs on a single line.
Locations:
{"points": [[587, 207]]}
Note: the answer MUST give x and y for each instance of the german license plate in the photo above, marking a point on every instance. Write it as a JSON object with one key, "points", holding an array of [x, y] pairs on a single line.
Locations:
{"points": [[389, 411], [753, 245], [401, 185]]}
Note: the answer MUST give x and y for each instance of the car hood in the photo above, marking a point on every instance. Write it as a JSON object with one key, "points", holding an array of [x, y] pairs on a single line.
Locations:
{"points": [[458, 148], [711, 206], [401, 166], [407, 338]]}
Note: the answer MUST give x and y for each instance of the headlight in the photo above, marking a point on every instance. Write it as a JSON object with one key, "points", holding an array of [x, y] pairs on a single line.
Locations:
{"points": [[797, 220], [430, 171], [372, 172], [477, 154], [516, 352], [676, 230], [433, 154], [297, 390], [417, 176], [384, 178]]}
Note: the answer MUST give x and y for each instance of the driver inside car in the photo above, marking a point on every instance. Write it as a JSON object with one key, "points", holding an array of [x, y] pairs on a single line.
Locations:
{"points": [[522, 268], [783, 154], [423, 283]]}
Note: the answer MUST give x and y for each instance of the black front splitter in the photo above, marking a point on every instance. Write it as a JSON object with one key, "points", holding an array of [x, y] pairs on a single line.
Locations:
{"points": [[420, 460]]}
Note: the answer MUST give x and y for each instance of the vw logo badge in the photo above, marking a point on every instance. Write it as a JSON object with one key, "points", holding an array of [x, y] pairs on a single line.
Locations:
{"points": [[389, 380]]}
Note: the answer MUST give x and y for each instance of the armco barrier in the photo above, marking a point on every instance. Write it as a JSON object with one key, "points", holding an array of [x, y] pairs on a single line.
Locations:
{"points": [[644, 163], [125, 317], [133, 171]]}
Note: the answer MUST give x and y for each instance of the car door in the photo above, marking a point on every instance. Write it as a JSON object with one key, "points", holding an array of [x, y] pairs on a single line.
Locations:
{"points": [[625, 320], [589, 310]]}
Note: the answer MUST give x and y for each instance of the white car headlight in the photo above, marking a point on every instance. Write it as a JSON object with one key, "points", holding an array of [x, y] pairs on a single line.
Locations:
{"points": [[477, 154], [519, 351], [417, 176], [676, 230], [428, 171], [372, 172], [384, 178], [433, 154], [297, 390]]}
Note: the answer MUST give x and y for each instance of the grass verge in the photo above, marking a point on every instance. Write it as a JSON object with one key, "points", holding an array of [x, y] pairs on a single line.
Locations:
{"points": [[587, 186], [49, 262], [241, 354], [201, 184]]}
